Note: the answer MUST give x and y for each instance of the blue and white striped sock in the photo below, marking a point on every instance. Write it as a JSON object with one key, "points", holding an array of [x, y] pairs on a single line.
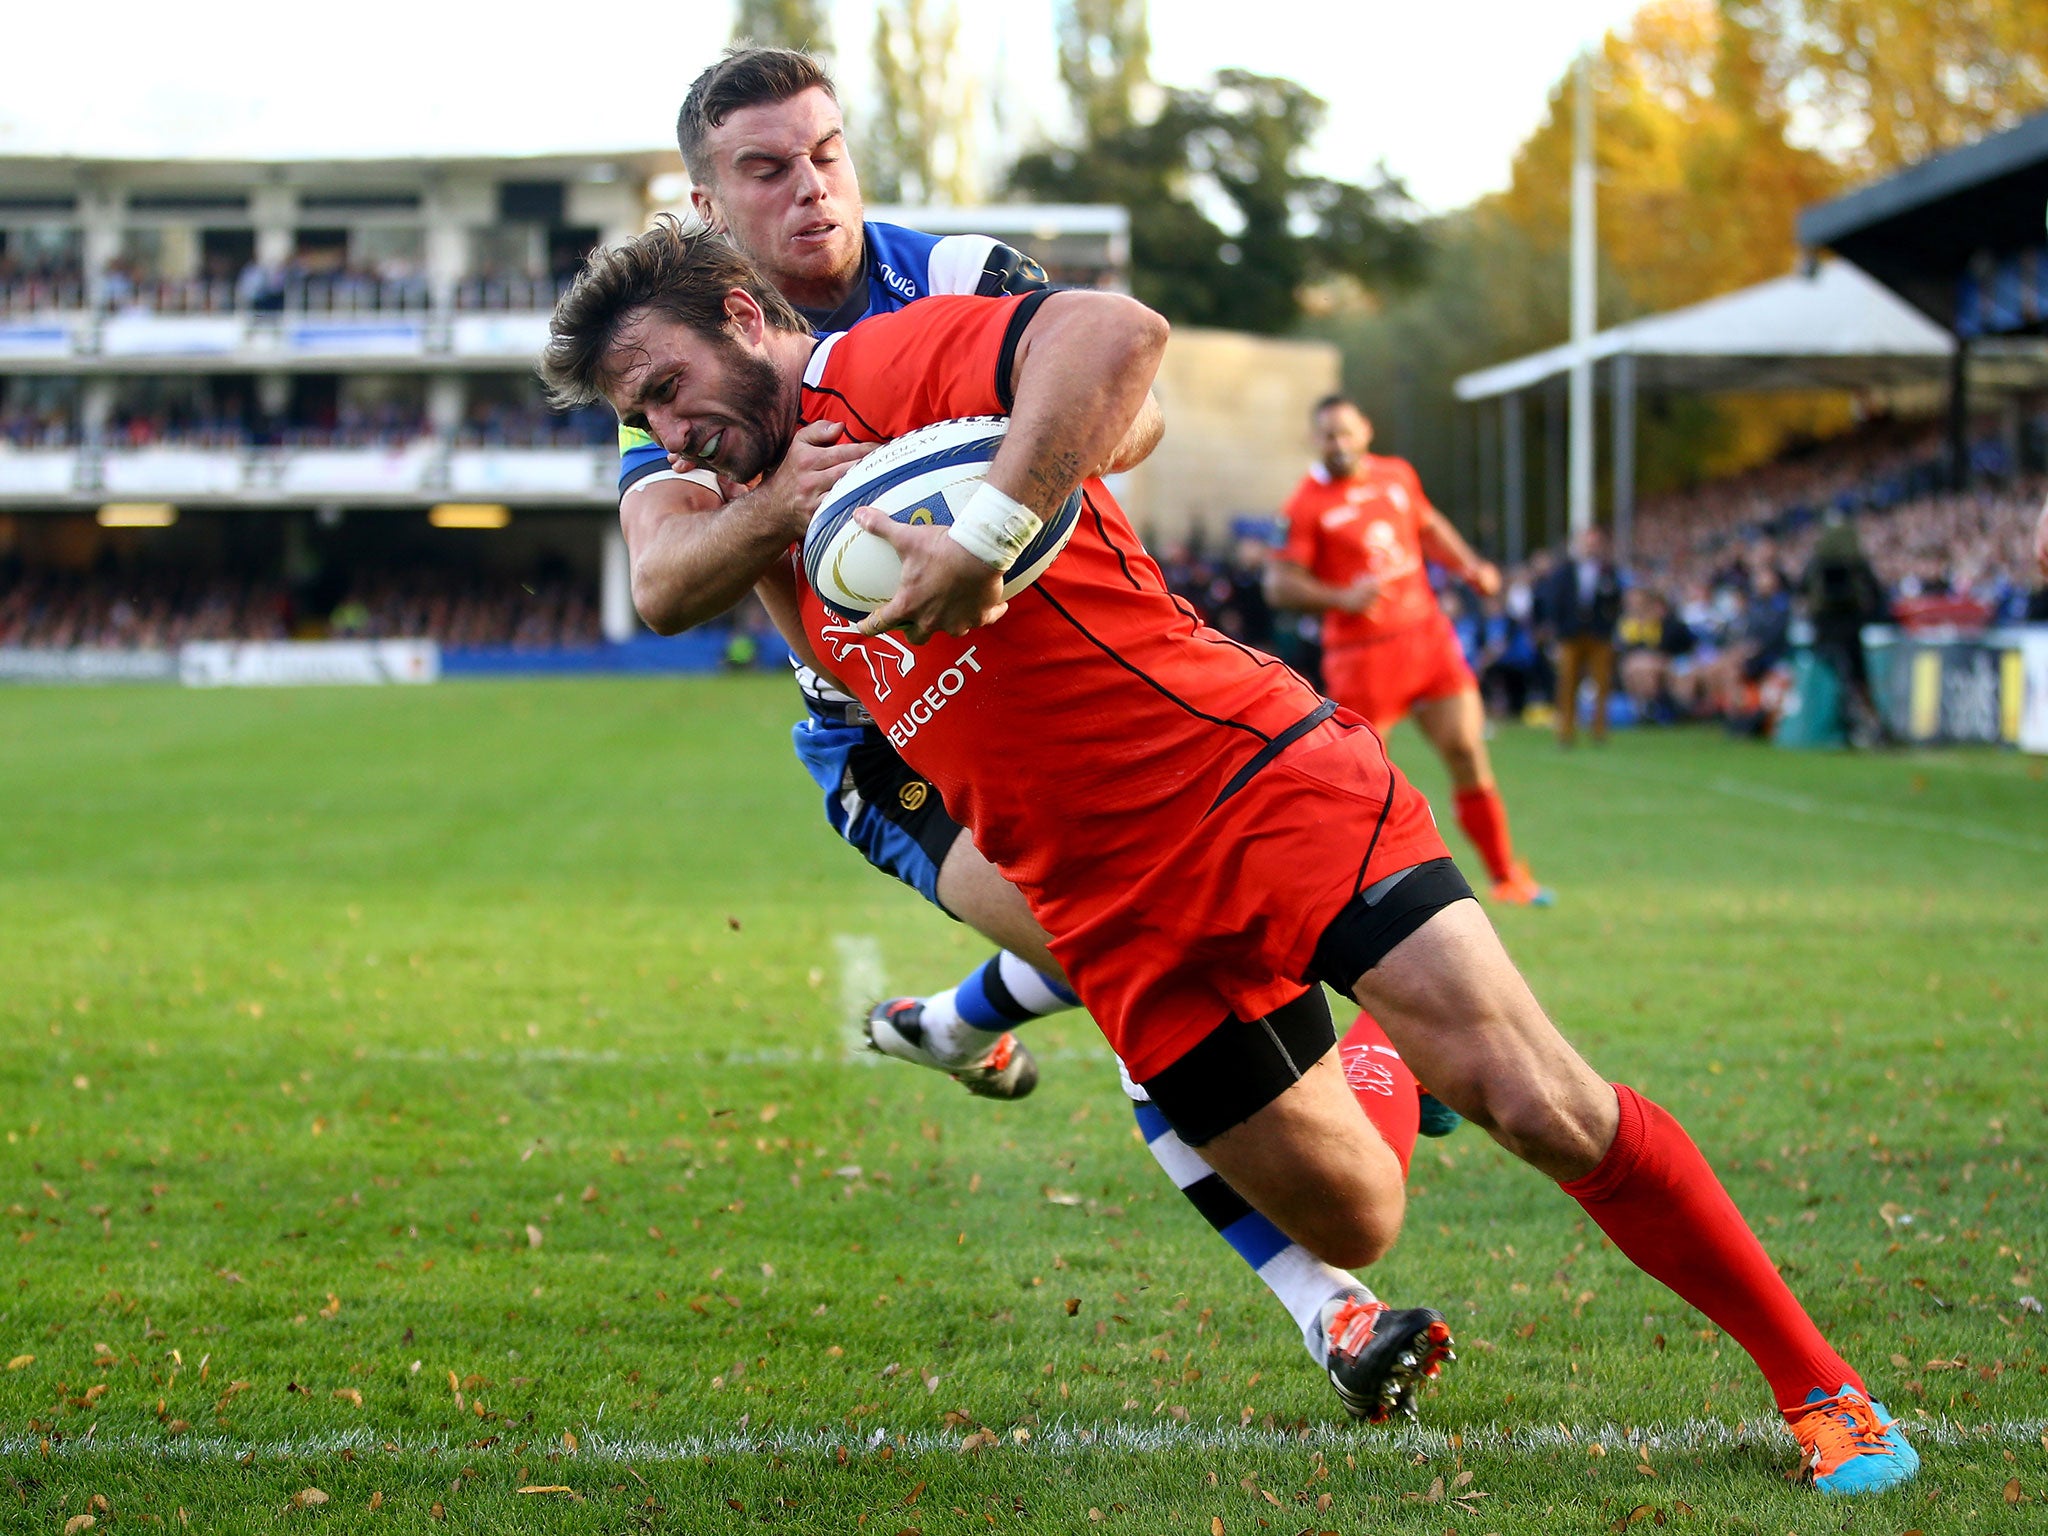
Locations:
{"points": [[1301, 1281], [1003, 992]]}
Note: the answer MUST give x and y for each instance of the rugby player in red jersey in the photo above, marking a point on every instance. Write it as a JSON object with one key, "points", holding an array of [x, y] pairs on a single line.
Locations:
{"points": [[1206, 839], [761, 134], [1359, 531]]}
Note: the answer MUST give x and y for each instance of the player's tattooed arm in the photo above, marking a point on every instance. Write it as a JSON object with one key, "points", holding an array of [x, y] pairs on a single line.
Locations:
{"points": [[1080, 385], [1052, 477]]}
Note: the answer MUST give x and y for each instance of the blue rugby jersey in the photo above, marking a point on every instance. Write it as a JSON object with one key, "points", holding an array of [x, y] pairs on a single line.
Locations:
{"points": [[901, 266]]}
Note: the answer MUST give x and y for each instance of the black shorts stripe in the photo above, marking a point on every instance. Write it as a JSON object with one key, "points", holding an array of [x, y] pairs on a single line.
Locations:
{"points": [[1379, 826], [1360, 936], [1265, 755], [1241, 1066]]}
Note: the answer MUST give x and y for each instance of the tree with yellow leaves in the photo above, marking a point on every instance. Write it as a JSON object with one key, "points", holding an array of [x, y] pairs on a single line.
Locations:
{"points": [[1699, 182], [1883, 84]]}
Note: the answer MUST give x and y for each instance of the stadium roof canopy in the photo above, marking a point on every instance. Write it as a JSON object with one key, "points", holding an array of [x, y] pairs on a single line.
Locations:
{"points": [[1833, 328], [1925, 230]]}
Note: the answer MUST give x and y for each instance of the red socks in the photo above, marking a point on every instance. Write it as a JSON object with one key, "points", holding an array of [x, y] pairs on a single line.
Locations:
{"points": [[1382, 1084], [1655, 1196], [1485, 821]]}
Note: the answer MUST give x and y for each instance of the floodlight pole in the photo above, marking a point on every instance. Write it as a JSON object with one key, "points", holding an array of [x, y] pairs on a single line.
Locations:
{"points": [[1583, 299]]}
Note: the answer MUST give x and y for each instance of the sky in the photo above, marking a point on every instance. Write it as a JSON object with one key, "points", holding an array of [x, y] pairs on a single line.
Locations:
{"points": [[1442, 92]]}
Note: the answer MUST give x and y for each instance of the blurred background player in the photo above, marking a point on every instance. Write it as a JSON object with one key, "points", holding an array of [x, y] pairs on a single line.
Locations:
{"points": [[1359, 530], [763, 139]]}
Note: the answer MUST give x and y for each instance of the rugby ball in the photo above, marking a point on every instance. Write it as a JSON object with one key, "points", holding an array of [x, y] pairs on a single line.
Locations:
{"points": [[924, 476]]}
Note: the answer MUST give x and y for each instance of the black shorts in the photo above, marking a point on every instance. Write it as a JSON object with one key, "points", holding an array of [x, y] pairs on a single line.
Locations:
{"points": [[901, 796], [1242, 1065], [1375, 920]]}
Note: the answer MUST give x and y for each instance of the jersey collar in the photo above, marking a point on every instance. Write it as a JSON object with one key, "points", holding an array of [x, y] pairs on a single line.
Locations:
{"points": [[814, 370]]}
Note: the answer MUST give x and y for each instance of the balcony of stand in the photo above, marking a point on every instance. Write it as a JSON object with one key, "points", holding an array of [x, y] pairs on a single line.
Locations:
{"points": [[344, 321], [414, 473]]}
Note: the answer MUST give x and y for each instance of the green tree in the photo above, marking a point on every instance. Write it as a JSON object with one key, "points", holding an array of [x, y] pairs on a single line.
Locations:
{"points": [[1234, 147], [920, 146], [1105, 60], [783, 24]]}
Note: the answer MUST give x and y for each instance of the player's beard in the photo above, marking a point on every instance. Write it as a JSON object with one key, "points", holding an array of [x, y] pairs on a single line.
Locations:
{"points": [[763, 411]]}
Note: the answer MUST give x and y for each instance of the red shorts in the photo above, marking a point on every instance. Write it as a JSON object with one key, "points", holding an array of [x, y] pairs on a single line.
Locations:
{"points": [[1383, 679], [1227, 920]]}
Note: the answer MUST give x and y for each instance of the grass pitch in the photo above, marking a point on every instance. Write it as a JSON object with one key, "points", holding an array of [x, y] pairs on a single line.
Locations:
{"points": [[440, 1100]]}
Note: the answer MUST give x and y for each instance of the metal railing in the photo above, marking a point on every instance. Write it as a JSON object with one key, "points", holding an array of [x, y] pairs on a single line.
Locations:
{"points": [[293, 294]]}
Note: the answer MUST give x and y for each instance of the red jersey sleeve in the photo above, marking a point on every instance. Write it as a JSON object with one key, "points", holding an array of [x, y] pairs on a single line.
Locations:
{"points": [[1303, 523], [934, 360], [1419, 496]]}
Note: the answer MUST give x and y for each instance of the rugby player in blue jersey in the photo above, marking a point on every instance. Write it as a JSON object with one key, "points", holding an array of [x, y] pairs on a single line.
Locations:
{"points": [[764, 143]]}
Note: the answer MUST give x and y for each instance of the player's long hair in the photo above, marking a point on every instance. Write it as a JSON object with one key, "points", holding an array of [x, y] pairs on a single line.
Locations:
{"points": [[665, 273]]}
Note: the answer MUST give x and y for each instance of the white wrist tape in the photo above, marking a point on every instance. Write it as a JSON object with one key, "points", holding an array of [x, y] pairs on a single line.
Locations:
{"points": [[995, 528]]}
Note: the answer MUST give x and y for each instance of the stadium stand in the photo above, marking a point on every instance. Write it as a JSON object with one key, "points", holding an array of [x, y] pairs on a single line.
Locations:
{"points": [[289, 367]]}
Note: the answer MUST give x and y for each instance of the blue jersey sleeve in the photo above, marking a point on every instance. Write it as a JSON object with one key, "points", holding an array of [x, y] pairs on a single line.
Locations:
{"points": [[639, 456]]}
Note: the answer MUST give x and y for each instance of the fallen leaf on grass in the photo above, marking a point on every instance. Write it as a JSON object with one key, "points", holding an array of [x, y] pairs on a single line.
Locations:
{"points": [[545, 1488], [2012, 1492], [308, 1498], [79, 1523], [350, 1396], [20, 1361], [1215, 1525], [1059, 1196], [377, 1500]]}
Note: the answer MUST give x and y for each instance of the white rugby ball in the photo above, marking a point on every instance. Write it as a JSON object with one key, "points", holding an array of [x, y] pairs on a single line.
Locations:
{"points": [[924, 476]]}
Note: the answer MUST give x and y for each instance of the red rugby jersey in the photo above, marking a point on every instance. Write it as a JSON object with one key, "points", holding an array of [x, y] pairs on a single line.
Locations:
{"points": [[1367, 524], [1097, 722]]}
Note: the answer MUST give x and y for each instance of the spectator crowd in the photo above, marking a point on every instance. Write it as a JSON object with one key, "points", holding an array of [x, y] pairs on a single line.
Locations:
{"points": [[48, 610], [1703, 619], [1700, 626]]}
